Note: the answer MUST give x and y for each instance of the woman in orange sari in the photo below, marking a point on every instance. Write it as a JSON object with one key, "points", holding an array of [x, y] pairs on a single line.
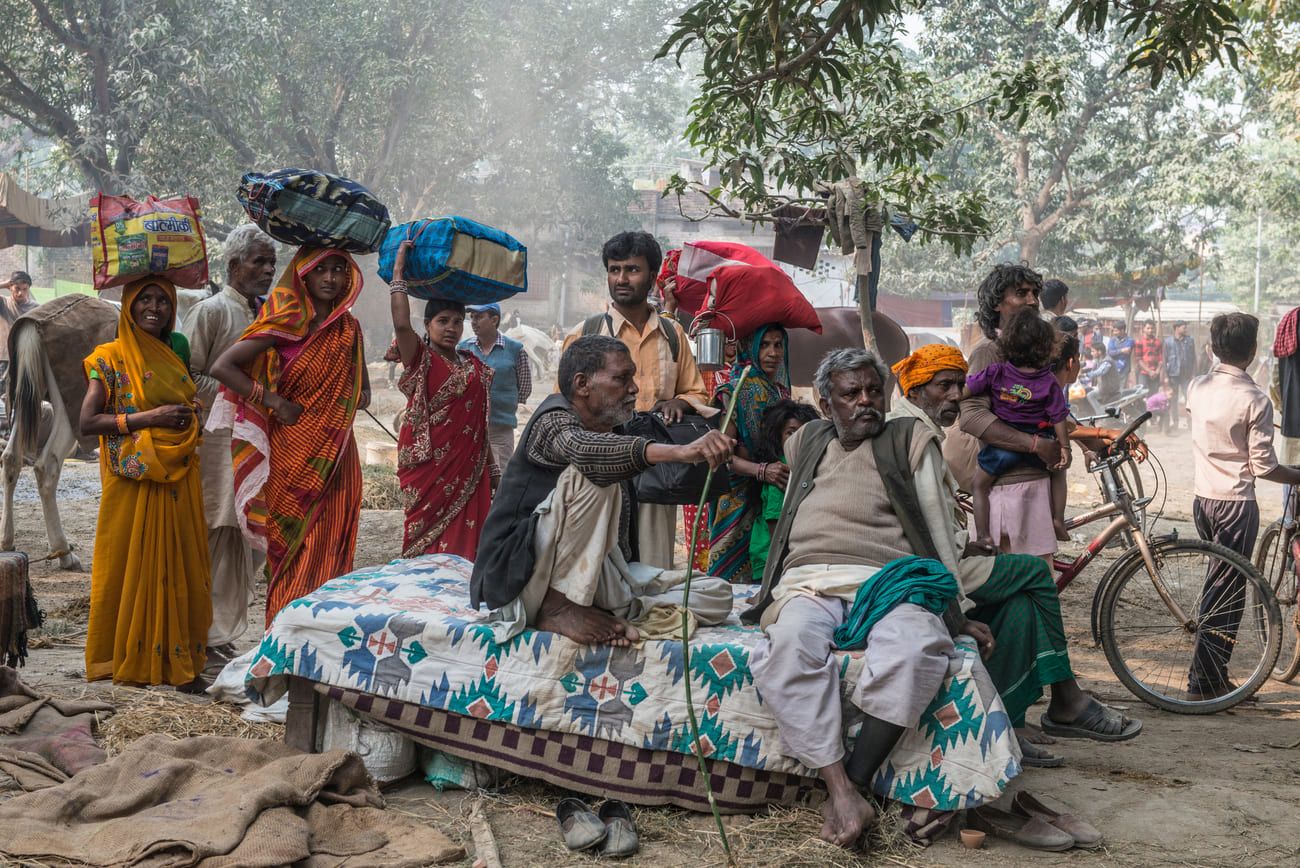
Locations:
{"points": [[293, 384], [150, 584], [444, 462]]}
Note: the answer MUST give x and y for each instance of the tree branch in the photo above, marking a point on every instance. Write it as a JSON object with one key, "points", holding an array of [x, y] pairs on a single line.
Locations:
{"points": [[60, 32], [782, 70]]}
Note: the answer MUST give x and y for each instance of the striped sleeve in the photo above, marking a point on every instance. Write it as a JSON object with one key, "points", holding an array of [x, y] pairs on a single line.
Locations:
{"points": [[558, 440]]}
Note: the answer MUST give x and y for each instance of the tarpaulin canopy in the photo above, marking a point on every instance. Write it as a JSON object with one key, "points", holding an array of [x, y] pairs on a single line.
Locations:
{"points": [[31, 220]]}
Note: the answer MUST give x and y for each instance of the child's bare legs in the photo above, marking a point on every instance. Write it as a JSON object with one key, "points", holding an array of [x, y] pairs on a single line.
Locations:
{"points": [[981, 486], [1058, 505]]}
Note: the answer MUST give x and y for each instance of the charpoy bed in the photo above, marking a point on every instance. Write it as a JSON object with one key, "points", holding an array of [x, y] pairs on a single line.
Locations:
{"points": [[401, 644]]}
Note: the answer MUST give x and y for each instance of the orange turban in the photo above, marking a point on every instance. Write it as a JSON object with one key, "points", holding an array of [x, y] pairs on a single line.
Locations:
{"points": [[920, 367]]}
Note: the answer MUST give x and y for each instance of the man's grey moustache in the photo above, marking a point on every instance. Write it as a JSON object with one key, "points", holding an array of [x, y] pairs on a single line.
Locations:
{"points": [[868, 414]]}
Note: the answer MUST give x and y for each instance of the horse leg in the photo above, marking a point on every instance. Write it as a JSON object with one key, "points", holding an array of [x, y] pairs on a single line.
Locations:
{"points": [[11, 464], [48, 469]]}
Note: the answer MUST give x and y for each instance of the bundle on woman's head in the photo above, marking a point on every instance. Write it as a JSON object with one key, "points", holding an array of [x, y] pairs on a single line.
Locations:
{"points": [[1027, 340]]}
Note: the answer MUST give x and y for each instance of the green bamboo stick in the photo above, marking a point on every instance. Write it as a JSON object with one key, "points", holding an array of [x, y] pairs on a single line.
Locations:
{"points": [[686, 631]]}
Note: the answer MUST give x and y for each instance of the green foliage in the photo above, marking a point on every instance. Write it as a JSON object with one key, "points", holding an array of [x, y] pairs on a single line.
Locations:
{"points": [[508, 112], [1167, 34], [797, 92]]}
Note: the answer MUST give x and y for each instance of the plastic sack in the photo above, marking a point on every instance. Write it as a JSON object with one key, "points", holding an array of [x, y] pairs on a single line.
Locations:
{"points": [[131, 238], [387, 755], [457, 259], [305, 207], [739, 286]]}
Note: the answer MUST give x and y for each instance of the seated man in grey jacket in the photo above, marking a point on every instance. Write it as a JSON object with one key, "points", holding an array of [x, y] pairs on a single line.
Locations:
{"points": [[556, 551]]}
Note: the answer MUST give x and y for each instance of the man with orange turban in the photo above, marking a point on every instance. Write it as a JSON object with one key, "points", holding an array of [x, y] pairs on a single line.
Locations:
{"points": [[1013, 594], [932, 378]]}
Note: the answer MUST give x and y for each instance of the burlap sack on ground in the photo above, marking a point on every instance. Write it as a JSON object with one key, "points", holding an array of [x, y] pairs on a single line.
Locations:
{"points": [[219, 802], [70, 326], [43, 741]]}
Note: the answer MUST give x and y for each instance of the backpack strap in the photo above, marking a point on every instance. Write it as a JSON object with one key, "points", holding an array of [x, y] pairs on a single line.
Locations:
{"points": [[668, 325], [591, 325]]}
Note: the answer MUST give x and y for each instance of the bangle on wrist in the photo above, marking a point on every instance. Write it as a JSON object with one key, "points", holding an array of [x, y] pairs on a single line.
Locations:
{"points": [[122, 426], [397, 285]]}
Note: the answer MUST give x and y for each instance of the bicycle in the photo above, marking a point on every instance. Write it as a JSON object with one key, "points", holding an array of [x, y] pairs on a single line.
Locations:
{"points": [[1147, 611], [1278, 561]]}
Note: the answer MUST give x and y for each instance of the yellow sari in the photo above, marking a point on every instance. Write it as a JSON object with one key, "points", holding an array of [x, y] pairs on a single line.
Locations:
{"points": [[150, 583]]}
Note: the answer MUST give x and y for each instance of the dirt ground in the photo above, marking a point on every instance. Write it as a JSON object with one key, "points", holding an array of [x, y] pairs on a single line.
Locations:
{"points": [[1191, 791]]}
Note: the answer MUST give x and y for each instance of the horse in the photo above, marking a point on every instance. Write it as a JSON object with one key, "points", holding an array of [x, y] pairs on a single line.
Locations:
{"points": [[46, 348]]}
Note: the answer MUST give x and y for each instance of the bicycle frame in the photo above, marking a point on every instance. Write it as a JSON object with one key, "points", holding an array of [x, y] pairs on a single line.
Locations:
{"points": [[1120, 504]]}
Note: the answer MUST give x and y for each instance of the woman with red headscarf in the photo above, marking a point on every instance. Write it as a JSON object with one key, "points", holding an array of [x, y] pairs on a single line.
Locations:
{"points": [[293, 384], [150, 593]]}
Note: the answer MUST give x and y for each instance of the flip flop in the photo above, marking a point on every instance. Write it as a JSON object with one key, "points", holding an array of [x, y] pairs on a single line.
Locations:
{"points": [[1035, 757], [621, 838], [1085, 834], [1031, 832], [580, 827], [1097, 722]]}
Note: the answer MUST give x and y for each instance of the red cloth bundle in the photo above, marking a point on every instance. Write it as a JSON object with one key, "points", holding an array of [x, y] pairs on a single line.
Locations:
{"points": [[739, 285]]}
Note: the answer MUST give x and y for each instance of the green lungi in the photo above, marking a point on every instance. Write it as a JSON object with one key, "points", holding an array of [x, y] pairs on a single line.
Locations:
{"points": [[1020, 604]]}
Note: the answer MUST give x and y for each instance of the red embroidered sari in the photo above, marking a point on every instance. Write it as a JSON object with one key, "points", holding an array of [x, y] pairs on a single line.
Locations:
{"points": [[443, 457]]}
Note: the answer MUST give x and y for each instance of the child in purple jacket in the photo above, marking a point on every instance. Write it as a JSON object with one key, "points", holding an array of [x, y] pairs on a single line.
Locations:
{"points": [[1026, 395]]}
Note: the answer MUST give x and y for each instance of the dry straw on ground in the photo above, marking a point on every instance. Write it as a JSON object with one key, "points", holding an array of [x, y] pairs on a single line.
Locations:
{"points": [[780, 836], [175, 716], [379, 488]]}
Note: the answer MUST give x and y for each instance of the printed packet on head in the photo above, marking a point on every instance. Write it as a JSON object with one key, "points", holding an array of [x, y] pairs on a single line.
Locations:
{"points": [[132, 238]]}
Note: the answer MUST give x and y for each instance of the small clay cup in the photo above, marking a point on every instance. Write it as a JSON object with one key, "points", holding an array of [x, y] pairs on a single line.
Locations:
{"points": [[972, 839]]}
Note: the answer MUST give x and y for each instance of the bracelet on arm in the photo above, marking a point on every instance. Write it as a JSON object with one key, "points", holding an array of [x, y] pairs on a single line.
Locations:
{"points": [[397, 286], [1033, 447], [257, 393], [122, 427]]}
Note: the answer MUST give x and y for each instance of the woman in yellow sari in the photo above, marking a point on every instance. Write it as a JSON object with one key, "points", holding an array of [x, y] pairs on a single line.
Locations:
{"points": [[150, 585]]}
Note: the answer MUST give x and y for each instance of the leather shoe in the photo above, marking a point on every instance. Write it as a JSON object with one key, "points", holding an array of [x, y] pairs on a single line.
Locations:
{"points": [[1085, 834], [1031, 832]]}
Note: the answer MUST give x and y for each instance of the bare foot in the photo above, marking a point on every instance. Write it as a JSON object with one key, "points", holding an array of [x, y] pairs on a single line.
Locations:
{"points": [[1034, 734], [847, 816], [585, 625], [847, 813]]}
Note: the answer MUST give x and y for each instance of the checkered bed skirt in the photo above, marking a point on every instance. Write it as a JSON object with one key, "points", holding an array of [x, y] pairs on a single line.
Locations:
{"points": [[588, 765]]}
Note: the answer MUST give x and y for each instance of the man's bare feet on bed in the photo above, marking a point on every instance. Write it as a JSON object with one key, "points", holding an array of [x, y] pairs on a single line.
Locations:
{"points": [[585, 625], [847, 813]]}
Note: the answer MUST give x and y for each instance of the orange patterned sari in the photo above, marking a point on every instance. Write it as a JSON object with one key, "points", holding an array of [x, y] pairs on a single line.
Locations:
{"points": [[298, 487]]}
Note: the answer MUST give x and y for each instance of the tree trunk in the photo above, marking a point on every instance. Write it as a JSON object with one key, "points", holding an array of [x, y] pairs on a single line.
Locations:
{"points": [[1030, 245], [864, 311]]}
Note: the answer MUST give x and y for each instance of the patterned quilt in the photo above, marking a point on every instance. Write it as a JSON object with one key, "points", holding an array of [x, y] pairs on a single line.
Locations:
{"points": [[406, 631]]}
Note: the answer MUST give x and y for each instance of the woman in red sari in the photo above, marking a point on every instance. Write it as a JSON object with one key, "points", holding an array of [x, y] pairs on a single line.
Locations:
{"points": [[293, 384], [444, 462]]}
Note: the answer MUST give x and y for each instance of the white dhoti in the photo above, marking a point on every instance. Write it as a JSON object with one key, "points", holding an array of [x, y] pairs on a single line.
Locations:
{"points": [[235, 564], [656, 534], [906, 662], [578, 555]]}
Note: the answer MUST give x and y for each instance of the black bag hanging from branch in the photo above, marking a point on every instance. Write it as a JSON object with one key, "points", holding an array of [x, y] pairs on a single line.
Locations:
{"points": [[676, 484]]}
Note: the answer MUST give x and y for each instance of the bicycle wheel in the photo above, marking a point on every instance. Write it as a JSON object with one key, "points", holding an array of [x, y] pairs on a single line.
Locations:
{"points": [[1153, 655], [1275, 564]]}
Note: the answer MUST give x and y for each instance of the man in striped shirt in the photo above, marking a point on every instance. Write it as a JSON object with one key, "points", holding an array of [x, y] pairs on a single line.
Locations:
{"points": [[558, 550]]}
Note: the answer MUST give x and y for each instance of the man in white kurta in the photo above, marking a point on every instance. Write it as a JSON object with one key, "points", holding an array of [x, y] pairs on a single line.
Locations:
{"points": [[212, 325]]}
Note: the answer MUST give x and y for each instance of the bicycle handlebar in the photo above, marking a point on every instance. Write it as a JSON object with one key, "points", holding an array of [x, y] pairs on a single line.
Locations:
{"points": [[1122, 437]]}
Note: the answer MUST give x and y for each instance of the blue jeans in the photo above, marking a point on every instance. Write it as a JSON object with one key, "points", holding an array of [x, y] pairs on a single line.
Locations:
{"points": [[996, 461]]}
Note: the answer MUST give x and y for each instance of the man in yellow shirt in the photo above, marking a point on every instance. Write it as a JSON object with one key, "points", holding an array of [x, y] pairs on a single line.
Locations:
{"points": [[666, 374]]}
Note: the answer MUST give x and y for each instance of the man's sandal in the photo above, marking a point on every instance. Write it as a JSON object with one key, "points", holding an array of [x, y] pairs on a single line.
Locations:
{"points": [[1097, 722], [1034, 757]]}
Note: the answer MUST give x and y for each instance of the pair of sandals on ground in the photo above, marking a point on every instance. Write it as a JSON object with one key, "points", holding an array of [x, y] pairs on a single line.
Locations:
{"points": [[609, 832], [1030, 823], [1098, 723]]}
